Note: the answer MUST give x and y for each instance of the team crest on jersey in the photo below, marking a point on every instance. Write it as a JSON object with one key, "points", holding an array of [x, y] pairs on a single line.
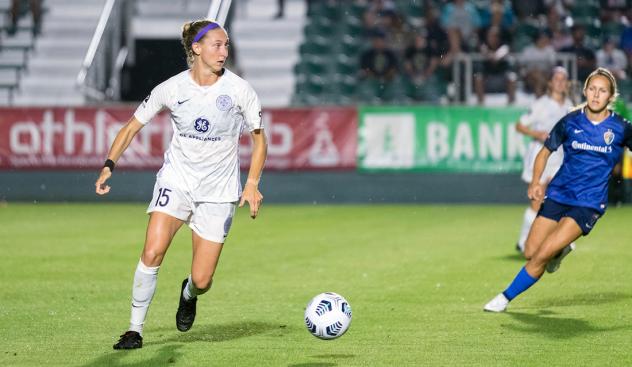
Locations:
{"points": [[224, 102], [608, 137], [201, 125]]}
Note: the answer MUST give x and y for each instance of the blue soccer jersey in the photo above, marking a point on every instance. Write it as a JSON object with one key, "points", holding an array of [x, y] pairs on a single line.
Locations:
{"points": [[590, 153]]}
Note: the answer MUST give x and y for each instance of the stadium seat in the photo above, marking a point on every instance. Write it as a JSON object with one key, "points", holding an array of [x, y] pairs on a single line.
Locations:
{"points": [[625, 89], [316, 46]]}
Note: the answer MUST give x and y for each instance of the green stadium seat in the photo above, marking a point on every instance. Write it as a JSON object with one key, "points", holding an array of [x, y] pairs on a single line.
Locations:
{"points": [[324, 9], [347, 65], [314, 46], [612, 29], [625, 89], [344, 85], [354, 9]]}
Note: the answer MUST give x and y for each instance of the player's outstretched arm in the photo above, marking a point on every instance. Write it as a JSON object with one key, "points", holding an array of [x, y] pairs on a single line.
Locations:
{"points": [[525, 130], [120, 143], [536, 189], [251, 193]]}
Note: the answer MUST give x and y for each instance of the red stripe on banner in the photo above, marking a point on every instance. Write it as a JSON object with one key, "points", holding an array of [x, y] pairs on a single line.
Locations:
{"points": [[79, 138]]}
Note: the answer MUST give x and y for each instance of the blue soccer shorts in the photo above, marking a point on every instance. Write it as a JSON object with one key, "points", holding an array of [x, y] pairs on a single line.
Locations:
{"points": [[585, 217]]}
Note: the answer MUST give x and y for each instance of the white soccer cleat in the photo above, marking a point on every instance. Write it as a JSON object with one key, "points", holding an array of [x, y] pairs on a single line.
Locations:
{"points": [[498, 304], [555, 262]]}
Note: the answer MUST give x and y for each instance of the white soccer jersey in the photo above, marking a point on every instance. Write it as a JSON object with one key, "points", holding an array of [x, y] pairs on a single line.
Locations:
{"points": [[207, 122], [543, 115]]}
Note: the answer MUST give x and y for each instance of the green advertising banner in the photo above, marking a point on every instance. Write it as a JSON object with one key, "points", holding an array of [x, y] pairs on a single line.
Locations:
{"points": [[440, 139]]}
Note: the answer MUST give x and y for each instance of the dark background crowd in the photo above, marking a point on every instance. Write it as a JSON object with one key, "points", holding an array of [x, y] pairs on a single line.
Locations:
{"points": [[404, 50]]}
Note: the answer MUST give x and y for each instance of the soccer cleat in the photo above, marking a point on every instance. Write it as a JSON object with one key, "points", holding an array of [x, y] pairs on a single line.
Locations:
{"points": [[129, 340], [518, 248], [555, 262], [498, 304], [186, 311]]}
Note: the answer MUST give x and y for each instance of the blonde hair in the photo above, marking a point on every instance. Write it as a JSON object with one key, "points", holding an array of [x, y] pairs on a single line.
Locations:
{"points": [[552, 73], [614, 91], [189, 31]]}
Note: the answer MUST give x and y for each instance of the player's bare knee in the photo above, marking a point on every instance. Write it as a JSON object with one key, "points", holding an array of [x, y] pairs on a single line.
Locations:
{"points": [[539, 259], [152, 257], [202, 282]]}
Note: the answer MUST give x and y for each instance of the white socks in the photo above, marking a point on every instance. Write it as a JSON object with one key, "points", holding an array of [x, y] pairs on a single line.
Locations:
{"points": [[145, 279], [190, 291], [527, 221]]}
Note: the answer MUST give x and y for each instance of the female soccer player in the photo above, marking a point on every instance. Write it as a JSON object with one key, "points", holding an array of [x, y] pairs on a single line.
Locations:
{"points": [[198, 183], [593, 138], [537, 124]]}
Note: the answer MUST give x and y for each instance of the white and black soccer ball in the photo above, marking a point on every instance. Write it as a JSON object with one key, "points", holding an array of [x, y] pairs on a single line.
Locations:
{"points": [[328, 315]]}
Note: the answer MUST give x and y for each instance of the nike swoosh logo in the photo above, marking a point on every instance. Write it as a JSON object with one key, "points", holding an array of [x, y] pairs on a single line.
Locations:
{"points": [[588, 226], [577, 131], [181, 102]]}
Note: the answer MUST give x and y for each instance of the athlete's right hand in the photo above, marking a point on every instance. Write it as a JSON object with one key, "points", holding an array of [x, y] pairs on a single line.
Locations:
{"points": [[101, 187], [536, 192], [541, 136]]}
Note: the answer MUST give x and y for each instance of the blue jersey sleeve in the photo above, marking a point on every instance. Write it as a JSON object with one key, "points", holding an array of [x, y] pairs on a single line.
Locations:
{"points": [[556, 136], [627, 135]]}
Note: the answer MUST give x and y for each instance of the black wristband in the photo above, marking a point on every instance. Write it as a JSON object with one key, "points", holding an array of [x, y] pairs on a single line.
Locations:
{"points": [[109, 164]]}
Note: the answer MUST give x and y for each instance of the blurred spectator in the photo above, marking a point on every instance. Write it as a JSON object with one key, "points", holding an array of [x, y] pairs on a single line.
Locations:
{"points": [[280, 9], [379, 62], [419, 63], [525, 9], [398, 33], [561, 6], [625, 43], [560, 36], [494, 74], [613, 9], [36, 11], [375, 13], [436, 36], [612, 58], [462, 22], [586, 61], [498, 14], [536, 61]]}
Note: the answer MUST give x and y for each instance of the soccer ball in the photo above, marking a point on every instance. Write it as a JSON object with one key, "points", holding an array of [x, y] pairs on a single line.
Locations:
{"points": [[328, 315]]}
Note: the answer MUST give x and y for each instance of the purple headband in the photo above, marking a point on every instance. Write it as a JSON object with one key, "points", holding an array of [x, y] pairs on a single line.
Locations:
{"points": [[203, 31]]}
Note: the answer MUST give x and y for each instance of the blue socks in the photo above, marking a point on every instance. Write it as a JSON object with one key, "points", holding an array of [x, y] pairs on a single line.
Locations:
{"points": [[521, 283]]}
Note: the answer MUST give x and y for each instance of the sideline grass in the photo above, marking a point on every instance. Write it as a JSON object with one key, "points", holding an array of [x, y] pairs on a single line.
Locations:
{"points": [[416, 277]]}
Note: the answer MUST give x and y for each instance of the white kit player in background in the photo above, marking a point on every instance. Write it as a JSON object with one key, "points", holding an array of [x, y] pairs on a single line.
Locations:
{"points": [[545, 112], [199, 182]]}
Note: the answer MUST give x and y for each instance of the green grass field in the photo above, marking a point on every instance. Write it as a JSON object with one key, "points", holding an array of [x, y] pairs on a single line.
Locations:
{"points": [[416, 277]]}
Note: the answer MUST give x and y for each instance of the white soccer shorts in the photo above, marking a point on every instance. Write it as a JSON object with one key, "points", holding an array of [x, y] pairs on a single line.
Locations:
{"points": [[211, 221]]}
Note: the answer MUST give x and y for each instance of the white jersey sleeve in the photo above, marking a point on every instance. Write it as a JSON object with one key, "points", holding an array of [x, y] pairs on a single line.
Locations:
{"points": [[159, 98], [528, 118], [251, 108]]}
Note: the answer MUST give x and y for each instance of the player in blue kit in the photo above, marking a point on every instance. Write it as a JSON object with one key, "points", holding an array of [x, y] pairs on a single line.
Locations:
{"points": [[593, 138]]}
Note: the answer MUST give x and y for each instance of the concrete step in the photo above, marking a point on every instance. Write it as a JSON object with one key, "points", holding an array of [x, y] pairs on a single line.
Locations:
{"points": [[255, 27], [56, 62], [76, 10], [267, 9], [55, 99], [267, 59], [8, 76], [52, 50], [52, 82], [61, 22], [57, 69], [194, 10]]}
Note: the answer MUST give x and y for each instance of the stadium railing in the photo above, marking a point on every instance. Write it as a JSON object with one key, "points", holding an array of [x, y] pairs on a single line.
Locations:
{"points": [[99, 77], [463, 71]]}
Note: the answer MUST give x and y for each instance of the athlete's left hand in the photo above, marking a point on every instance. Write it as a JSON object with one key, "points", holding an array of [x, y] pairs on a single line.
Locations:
{"points": [[536, 192], [254, 198]]}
